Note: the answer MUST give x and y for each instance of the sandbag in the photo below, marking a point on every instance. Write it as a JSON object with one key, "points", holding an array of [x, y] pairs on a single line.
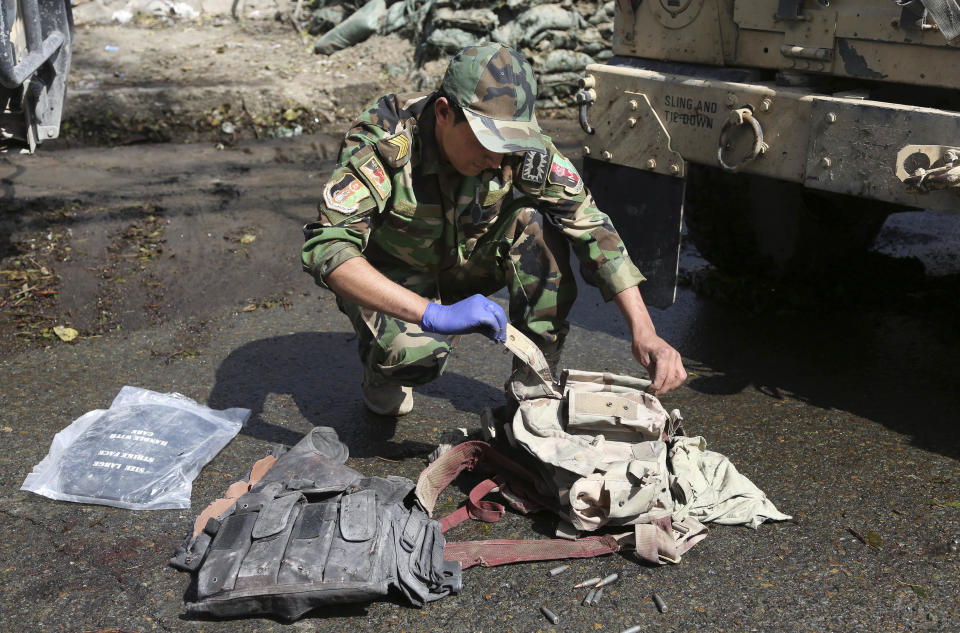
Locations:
{"points": [[355, 29]]}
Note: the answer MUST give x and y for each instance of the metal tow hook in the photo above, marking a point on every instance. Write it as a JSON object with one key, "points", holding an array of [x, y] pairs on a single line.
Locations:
{"points": [[738, 117], [585, 97]]}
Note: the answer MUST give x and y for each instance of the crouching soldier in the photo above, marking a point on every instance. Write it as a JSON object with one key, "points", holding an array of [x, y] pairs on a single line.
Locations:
{"points": [[443, 198]]}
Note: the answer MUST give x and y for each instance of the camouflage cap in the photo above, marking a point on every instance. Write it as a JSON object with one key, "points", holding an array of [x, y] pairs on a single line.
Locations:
{"points": [[495, 87]]}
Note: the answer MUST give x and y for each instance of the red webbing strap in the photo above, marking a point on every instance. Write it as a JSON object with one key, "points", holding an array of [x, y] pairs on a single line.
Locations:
{"points": [[476, 507], [501, 552], [466, 456]]}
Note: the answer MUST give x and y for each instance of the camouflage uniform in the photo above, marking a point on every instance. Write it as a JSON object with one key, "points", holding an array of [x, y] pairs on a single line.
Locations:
{"points": [[446, 236]]}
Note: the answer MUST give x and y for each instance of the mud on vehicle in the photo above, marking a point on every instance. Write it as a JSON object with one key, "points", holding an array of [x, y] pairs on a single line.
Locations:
{"points": [[784, 131], [35, 41]]}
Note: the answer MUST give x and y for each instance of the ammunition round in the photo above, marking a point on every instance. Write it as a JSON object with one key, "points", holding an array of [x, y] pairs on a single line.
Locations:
{"points": [[587, 583], [606, 581]]}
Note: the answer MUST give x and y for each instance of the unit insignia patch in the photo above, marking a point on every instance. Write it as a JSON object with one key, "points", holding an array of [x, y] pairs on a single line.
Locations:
{"points": [[534, 170], [345, 194]]}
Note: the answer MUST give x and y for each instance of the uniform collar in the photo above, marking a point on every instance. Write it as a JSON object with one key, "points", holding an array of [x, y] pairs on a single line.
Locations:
{"points": [[429, 150]]}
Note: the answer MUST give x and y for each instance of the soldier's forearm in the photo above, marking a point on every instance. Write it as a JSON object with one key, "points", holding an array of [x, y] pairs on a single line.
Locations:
{"points": [[358, 282], [635, 313]]}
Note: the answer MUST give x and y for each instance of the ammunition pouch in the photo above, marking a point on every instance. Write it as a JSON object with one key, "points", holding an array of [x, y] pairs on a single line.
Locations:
{"points": [[311, 532]]}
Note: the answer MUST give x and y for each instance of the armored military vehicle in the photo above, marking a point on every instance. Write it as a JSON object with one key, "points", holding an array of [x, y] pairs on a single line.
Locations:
{"points": [[785, 131], [35, 41]]}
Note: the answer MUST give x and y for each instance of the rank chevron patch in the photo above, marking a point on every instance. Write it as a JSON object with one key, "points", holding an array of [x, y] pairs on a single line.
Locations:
{"points": [[402, 143]]}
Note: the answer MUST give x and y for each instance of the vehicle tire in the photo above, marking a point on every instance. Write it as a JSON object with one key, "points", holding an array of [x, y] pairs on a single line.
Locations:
{"points": [[35, 107], [748, 224]]}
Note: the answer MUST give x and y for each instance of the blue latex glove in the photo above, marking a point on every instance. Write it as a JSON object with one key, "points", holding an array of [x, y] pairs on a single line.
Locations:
{"points": [[473, 314]]}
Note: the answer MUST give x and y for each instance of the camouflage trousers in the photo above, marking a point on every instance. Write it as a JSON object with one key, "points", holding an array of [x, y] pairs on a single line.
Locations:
{"points": [[522, 252]]}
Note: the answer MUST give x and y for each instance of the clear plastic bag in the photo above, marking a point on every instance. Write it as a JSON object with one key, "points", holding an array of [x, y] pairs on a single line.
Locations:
{"points": [[142, 453]]}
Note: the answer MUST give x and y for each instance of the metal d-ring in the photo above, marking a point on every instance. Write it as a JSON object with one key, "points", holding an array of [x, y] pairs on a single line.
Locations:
{"points": [[741, 116]]}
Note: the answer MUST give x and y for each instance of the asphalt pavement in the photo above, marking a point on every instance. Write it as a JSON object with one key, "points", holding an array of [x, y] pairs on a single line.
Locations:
{"points": [[845, 414]]}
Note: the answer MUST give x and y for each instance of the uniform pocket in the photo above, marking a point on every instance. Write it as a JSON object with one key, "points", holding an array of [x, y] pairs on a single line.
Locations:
{"points": [[219, 570], [270, 535], [623, 416], [353, 551]]}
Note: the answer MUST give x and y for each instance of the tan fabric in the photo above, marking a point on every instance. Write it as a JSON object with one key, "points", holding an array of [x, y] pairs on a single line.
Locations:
{"points": [[526, 350], [665, 540], [627, 492], [717, 491], [605, 445], [620, 481], [236, 490], [614, 457]]}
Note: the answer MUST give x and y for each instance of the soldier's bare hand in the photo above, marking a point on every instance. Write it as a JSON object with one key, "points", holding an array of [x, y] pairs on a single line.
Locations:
{"points": [[662, 362]]}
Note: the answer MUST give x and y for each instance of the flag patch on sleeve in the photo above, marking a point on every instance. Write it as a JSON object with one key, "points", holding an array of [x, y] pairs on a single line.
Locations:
{"points": [[376, 176], [563, 173]]}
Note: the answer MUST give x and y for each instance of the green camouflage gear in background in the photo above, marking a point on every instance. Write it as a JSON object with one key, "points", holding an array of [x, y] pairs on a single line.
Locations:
{"points": [[495, 87], [445, 236]]}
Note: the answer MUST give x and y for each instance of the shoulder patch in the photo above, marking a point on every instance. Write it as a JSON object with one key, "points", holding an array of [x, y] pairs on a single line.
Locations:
{"points": [[534, 169], [395, 150], [376, 176], [563, 173], [346, 194]]}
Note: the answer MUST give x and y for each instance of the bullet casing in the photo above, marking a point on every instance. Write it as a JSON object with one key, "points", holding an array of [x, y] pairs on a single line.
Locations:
{"points": [[550, 615], [597, 596], [589, 599], [661, 605]]}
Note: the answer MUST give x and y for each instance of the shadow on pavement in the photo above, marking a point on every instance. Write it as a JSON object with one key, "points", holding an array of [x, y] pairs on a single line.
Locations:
{"points": [[321, 373], [880, 340], [889, 368]]}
